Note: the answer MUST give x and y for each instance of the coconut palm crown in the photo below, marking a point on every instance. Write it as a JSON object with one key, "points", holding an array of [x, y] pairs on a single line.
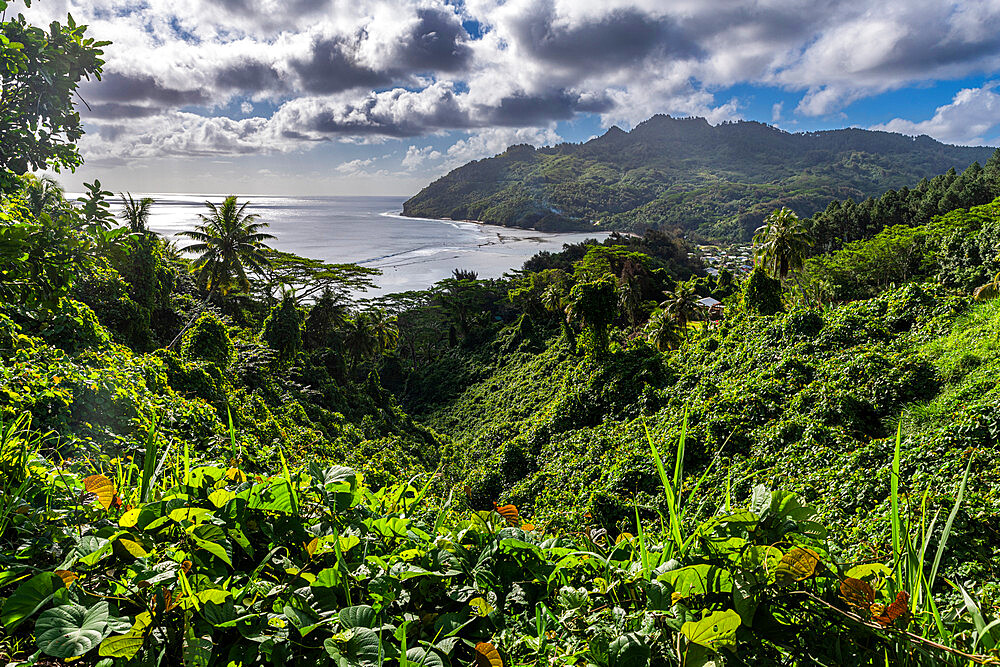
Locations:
{"points": [[781, 243], [229, 243], [135, 212]]}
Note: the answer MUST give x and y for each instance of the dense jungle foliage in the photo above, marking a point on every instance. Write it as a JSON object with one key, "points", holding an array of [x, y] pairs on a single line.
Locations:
{"points": [[683, 173], [223, 455]]}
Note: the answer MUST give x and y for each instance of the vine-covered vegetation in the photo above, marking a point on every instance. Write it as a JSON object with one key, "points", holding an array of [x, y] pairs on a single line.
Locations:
{"points": [[223, 455]]}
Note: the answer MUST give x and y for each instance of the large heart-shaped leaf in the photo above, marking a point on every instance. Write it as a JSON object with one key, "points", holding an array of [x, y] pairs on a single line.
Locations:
{"points": [[628, 651], [28, 598], [70, 630], [419, 656], [360, 650], [715, 631], [361, 616]]}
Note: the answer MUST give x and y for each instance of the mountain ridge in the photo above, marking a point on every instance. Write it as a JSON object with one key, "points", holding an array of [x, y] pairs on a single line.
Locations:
{"points": [[717, 180]]}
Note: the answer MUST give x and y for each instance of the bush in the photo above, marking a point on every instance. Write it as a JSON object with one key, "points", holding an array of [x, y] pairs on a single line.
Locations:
{"points": [[761, 294], [283, 330], [208, 340]]}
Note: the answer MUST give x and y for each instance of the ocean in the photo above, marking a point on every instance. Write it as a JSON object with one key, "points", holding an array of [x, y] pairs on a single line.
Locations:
{"points": [[412, 253]]}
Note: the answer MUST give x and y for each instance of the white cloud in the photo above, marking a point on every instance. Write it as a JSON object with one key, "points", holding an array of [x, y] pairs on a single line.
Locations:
{"points": [[967, 119], [417, 156], [354, 167]]}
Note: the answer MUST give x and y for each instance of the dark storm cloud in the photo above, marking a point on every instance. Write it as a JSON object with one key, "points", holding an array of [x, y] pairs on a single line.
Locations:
{"points": [[620, 38], [436, 43], [130, 88], [528, 110], [111, 110], [331, 68], [393, 114], [249, 77]]}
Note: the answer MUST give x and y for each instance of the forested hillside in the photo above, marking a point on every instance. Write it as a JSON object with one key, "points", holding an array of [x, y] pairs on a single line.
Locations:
{"points": [[682, 172]]}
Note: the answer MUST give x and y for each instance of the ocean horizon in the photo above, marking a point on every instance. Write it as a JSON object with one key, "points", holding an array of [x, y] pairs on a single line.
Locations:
{"points": [[412, 253]]}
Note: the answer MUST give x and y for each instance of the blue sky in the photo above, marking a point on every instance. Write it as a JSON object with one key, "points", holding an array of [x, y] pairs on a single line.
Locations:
{"points": [[382, 96]]}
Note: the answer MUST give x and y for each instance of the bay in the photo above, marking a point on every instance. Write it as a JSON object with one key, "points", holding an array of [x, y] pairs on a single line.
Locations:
{"points": [[412, 253]]}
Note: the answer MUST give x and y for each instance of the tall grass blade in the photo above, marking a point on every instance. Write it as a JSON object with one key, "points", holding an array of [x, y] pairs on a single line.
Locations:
{"points": [[946, 533], [668, 489], [894, 495]]}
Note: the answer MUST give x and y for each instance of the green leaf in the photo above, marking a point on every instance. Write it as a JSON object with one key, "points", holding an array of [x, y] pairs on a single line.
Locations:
{"points": [[361, 616], [421, 656], [71, 630], [360, 650], [29, 598], [698, 579], [216, 550], [628, 651], [121, 646], [715, 631]]}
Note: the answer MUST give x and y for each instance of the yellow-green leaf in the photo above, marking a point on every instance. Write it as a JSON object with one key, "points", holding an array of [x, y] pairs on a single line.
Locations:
{"points": [[134, 548], [121, 646], [715, 631], [130, 518], [798, 564]]}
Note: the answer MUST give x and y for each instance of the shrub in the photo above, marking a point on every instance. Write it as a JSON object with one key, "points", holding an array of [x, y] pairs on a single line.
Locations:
{"points": [[283, 330], [208, 340], [762, 294]]}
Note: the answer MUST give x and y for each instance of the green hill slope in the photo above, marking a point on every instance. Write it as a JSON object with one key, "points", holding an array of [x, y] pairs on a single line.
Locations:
{"points": [[719, 180]]}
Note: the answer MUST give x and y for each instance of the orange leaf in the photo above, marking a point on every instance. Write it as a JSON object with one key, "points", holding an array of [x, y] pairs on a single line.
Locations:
{"points": [[67, 577], [102, 487], [857, 593], [487, 655], [509, 512], [899, 609], [527, 527]]}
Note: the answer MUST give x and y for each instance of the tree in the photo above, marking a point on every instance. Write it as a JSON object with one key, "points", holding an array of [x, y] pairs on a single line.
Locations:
{"points": [[230, 243], [662, 331], [762, 293], [325, 320], [595, 305], [681, 305], [554, 301], [781, 243], [43, 195], [39, 74], [135, 213], [304, 277], [283, 330]]}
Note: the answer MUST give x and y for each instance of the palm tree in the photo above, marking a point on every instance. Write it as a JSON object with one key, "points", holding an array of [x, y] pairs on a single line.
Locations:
{"points": [[554, 301], [681, 305], [135, 213], [43, 195], [662, 331], [360, 339], [230, 243], [781, 243], [384, 330]]}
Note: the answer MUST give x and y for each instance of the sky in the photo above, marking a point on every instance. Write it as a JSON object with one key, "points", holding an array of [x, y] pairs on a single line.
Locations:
{"points": [[342, 97]]}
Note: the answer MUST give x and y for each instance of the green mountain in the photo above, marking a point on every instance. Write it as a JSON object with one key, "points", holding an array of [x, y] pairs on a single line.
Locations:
{"points": [[683, 172]]}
